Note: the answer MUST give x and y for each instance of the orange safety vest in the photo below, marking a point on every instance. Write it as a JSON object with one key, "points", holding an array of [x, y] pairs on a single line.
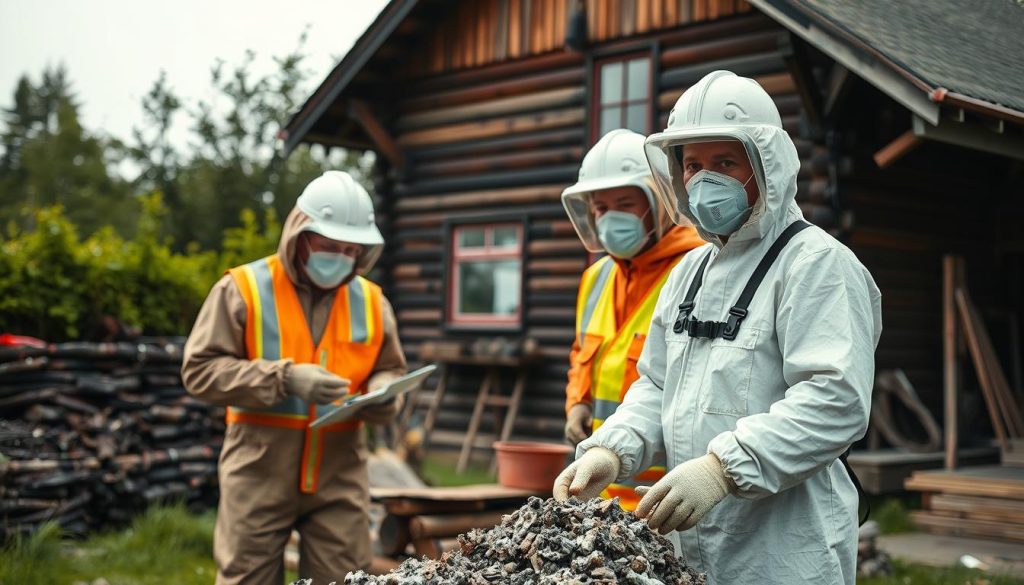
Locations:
{"points": [[609, 354], [276, 328]]}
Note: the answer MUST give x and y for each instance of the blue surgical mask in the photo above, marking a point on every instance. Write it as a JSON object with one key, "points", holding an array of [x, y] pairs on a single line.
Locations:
{"points": [[621, 233], [328, 269], [719, 202]]}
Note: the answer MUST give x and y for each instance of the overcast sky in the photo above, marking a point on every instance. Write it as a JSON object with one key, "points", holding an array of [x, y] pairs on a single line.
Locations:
{"points": [[115, 49]]}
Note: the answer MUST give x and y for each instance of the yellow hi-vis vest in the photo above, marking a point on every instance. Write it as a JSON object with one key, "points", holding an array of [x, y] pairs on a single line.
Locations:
{"points": [[608, 356], [276, 328]]}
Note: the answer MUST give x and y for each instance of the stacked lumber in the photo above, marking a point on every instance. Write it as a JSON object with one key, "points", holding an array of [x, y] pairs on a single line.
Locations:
{"points": [[91, 434], [981, 502]]}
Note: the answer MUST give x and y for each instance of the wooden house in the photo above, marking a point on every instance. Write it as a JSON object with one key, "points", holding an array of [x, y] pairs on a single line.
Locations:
{"points": [[908, 117]]}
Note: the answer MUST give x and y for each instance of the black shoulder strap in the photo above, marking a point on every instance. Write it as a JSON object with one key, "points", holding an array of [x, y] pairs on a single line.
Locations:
{"points": [[739, 311], [862, 496], [691, 293]]}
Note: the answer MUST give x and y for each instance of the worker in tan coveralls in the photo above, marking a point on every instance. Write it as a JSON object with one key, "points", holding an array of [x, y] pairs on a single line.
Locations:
{"points": [[278, 341]]}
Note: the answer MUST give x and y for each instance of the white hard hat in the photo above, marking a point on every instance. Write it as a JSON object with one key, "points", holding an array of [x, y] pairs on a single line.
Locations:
{"points": [[341, 209], [721, 106], [617, 160]]}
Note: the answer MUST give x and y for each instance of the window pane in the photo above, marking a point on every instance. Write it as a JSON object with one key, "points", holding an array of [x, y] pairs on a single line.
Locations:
{"points": [[506, 237], [489, 287], [471, 237], [611, 119], [636, 118], [611, 83], [639, 79]]}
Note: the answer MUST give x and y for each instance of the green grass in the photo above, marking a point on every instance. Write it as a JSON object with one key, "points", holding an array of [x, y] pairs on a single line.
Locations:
{"points": [[439, 470], [893, 514], [904, 574], [169, 545], [164, 545]]}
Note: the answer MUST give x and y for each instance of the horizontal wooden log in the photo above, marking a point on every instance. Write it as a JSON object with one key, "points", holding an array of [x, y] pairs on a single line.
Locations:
{"points": [[426, 285], [553, 283], [491, 91], [746, 66], [502, 71], [562, 174], [775, 84], [564, 315], [531, 159], [419, 316], [555, 247], [541, 100], [549, 299], [419, 333], [549, 266], [549, 334], [491, 128], [447, 525], [552, 229], [551, 210], [570, 136], [495, 197], [721, 48]]}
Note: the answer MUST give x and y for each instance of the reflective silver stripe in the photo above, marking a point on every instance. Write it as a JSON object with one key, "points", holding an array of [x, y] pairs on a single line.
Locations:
{"points": [[604, 408], [357, 310], [271, 330], [290, 405], [594, 296]]}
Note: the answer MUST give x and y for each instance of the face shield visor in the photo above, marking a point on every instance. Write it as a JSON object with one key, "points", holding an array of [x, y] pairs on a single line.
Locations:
{"points": [[665, 152]]}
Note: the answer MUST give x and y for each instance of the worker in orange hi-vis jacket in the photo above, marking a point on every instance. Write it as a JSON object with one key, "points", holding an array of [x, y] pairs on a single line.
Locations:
{"points": [[614, 210], [278, 341]]}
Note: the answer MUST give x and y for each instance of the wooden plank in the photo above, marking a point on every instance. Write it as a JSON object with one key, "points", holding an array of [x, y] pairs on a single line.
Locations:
{"points": [[694, 53], [561, 23], [521, 85], [897, 149], [515, 23], [994, 481], [555, 247], [978, 508], [493, 163], [574, 266], [700, 10], [671, 13], [492, 128], [950, 373], [551, 99], [627, 14], [969, 321], [657, 11], [643, 16], [964, 527], [566, 283], [483, 8], [445, 525], [713, 9]]}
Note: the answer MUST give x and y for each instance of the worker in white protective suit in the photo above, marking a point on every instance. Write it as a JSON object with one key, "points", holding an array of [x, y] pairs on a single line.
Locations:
{"points": [[753, 380]]}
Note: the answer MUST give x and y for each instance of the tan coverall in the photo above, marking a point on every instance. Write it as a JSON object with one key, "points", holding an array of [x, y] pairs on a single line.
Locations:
{"points": [[259, 469]]}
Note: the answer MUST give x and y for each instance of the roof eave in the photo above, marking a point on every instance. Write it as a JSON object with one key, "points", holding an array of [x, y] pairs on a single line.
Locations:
{"points": [[294, 132]]}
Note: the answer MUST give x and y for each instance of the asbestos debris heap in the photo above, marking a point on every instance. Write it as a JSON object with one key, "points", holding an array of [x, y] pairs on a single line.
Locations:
{"points": [[551, 542]]}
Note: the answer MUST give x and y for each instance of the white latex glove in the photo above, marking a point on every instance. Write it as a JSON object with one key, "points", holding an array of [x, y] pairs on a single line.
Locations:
{"points": [[314, 384], [578, 423], [383, 413], [587, 477], [680, 499]]}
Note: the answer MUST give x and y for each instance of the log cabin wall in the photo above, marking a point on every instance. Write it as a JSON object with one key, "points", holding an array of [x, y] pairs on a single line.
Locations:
{"points": [[504, 139], [939, 199], [484, 32]]}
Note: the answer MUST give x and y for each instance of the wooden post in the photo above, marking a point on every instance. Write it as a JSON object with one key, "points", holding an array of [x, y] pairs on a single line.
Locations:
{"points": [[481, 400], [950, 374]]}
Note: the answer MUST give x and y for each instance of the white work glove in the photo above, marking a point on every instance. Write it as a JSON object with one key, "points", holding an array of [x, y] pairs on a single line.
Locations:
{"points": [[383, 413], [587, 477], [578, 423], [680, 499], [314, 384]]}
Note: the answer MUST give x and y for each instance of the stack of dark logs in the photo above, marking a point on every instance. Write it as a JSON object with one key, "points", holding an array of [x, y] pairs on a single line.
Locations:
{"points": [[546, 541], [91, 434]]}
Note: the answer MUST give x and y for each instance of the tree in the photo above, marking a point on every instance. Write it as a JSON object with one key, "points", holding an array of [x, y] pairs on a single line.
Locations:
{"points": [[50, 159], [233, 163]]}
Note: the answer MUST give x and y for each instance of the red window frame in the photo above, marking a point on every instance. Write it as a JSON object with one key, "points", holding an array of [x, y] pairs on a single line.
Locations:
{"points": [[488, 251], [597, 107]]}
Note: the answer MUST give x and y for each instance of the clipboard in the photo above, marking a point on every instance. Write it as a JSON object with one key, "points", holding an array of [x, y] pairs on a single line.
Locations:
{"points": [[392, 390]]}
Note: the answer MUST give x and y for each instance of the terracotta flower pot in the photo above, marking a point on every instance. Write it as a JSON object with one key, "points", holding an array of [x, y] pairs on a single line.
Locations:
{"points": [[530, 466]]}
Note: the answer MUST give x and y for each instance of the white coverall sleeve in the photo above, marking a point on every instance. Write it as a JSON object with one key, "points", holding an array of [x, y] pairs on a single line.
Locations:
{"points": [[828, 324], [633, 431]]}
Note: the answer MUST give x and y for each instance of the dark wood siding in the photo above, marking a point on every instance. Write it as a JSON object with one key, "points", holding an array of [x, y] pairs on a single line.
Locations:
{"points": [[483, 32]]}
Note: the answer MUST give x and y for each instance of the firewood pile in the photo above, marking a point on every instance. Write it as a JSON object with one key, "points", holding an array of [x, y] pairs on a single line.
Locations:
{"points": [[91, 434], [546, 542]]}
